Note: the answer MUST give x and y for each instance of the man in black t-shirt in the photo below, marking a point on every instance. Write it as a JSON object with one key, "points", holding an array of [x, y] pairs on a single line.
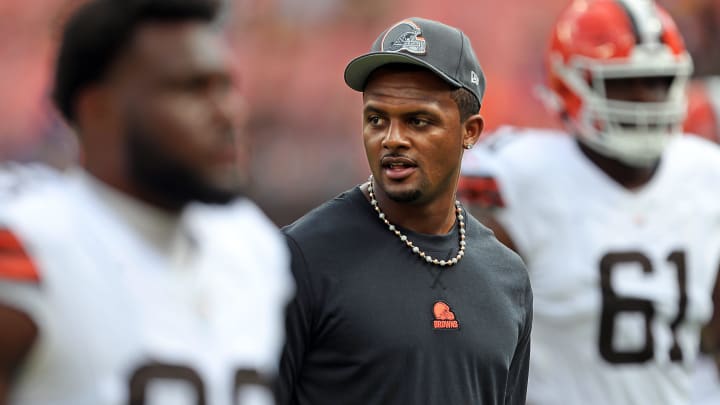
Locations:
{"points": [[402, 297]]}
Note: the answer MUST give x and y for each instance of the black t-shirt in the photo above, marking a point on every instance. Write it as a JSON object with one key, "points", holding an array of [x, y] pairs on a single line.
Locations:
{"points": [[374, 324]]}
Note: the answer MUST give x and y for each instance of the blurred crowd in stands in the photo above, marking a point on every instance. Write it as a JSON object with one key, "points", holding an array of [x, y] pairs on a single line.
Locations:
{"points": [[302, 120]]}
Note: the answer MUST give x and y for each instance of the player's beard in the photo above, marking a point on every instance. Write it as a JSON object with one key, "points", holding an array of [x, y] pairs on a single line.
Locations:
{"points": [[159, 173], [405, 196]]}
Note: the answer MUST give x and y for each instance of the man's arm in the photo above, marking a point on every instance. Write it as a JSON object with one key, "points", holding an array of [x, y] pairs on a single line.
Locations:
{"points": [[297, 328], [516, 390], [19, 333]]}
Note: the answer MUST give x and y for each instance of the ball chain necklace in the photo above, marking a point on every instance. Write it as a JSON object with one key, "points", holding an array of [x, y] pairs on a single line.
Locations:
{"points": [[404, 238]]}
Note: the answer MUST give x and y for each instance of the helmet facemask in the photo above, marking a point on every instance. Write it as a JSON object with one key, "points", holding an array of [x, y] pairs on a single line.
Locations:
{"points": [[632, 132], [631, 45]]}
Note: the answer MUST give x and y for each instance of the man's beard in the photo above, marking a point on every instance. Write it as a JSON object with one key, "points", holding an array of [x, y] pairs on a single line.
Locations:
{"points": [[159, 173], [405, 196]]}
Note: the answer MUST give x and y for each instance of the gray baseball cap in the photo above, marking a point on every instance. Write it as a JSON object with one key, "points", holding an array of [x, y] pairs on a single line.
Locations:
{"points": [[442, 49]]}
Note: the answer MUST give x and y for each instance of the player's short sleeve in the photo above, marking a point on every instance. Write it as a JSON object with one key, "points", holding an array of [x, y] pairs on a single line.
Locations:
{"points": [[16, 265], [478, 184], [492, 179], [21, 281], [18, 220], [34, 253]]}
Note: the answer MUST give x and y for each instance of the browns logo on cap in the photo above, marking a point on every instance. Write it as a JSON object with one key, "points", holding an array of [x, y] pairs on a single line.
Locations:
{"points": [[404, 36], [442, 49]]}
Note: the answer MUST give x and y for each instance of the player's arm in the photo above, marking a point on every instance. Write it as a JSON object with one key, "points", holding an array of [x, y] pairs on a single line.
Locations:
{"points": [[711, 331], [482, 198], [19, 333]]}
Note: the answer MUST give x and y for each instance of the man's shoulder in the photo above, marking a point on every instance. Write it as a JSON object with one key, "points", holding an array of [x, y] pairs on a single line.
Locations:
{"points": [[507, 139], [330, 218], [516, 166], [36, 222], [696, 150], [240, 214], [40, 204], [241, 223], [487, 250], [18, 178], [61, 217], [486, 241], [696, 158], [517, 149], [484, 233]]}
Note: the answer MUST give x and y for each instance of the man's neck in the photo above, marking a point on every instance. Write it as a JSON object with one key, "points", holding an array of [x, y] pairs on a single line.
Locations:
{"points": [[434, 218], [159, 227], [627, 176], [125, 186]]}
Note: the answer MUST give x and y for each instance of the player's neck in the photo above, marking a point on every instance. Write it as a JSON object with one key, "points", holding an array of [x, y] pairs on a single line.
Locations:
{"points": [[125, 186], [435, 218], [627, 176]]}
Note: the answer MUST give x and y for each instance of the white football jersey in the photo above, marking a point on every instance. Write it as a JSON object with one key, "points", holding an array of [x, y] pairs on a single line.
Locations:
{"points": [[16, 176], [706, 382], [120, 323], [622, 280]]}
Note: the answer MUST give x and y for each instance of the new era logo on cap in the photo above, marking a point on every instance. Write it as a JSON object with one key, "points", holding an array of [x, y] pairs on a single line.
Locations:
{"points": [[404, 36]]}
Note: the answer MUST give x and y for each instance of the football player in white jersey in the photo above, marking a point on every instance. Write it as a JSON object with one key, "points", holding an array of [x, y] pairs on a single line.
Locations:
{"points": [[704, 120], [704, 108], [618, 219], [145, 277]]}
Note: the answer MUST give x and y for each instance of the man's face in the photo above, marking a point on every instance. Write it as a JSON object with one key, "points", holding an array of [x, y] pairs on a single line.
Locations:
{"points": [[640, 89], [179, 111], [413, 135]]}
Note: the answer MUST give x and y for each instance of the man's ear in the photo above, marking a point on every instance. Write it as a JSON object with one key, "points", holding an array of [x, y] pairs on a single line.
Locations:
{"points": [[90, 106], [96, 110], [473, 127]]}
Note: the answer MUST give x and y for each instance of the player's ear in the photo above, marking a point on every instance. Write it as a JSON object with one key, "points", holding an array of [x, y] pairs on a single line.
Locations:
{"points": [[90, 106], [96, 110], [472, 128]]}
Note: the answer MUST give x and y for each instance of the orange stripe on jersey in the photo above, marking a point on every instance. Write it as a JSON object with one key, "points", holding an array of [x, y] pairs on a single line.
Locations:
{"points": [[8, 241], [15, 264], [482, 191]]}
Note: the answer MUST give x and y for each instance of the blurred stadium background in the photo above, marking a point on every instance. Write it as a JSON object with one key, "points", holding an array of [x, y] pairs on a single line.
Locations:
{"points": [[303, 121]]}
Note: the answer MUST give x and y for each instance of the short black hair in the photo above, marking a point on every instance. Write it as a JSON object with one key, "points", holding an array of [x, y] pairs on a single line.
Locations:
{"points": [[100, 30], [468, 105]]}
